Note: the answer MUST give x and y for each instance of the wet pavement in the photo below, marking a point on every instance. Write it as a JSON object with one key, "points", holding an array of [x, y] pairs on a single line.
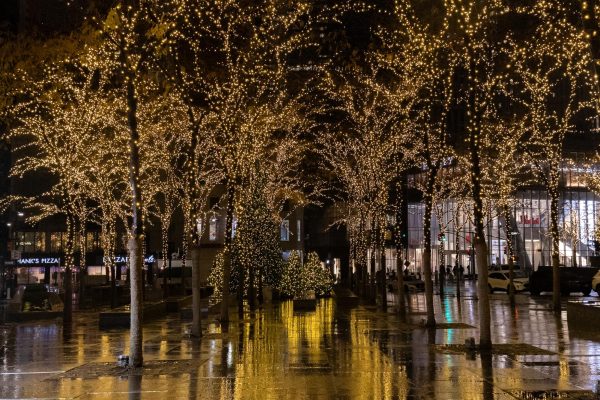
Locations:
{"points": [[331, 353]]}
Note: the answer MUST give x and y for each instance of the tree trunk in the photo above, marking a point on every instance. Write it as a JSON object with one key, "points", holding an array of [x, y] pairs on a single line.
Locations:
{"points": [[481, 254], [68, 282], [252, 288], [485, 334], [135, 243], [114, 303], [136, 357], [372, 283], [227, 254], [196, 300], [383, 282], [555, 248], [481, 251], [511, 254], [426, 259], [82, 263], [401, 293]]}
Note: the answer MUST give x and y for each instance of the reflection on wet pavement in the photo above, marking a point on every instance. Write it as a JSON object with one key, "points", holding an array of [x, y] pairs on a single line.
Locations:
{"points": [[333, 353]]}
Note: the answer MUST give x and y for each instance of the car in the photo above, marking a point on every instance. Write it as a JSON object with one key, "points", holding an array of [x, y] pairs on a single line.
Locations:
{"points": [[499, 280], [411, 284], [596, 282], [572, 279]]}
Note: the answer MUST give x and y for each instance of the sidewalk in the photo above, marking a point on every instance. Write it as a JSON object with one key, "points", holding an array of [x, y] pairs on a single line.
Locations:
{"points": [[332, 353]]}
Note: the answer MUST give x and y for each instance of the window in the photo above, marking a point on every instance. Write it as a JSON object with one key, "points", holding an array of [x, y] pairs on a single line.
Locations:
{"points": [[55, 242], [212, 229], [40, 241], [26, 241], [285, 230]]}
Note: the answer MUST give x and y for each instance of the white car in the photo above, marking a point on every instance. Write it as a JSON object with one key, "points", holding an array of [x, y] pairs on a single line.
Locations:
{"points": [[498, 280], [596, 282]]}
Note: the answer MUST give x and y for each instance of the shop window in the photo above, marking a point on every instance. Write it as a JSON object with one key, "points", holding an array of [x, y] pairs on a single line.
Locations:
{"points": [[285, 230], [212, 229], [26, 241], [40, 241], [56, 244]]}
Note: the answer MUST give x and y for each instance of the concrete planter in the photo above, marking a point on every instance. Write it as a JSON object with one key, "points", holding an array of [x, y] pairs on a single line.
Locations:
{"points": [[584, 314], [305, 304], [308, 302], [121, 317]]}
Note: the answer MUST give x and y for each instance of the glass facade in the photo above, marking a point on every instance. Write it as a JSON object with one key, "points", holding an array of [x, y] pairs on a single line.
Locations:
{"points": [[453, 231]]}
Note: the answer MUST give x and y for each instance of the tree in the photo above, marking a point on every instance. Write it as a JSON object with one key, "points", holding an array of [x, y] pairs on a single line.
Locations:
{"points": [[256, 257], [293, 282], [134, 35], [358, 151], [57, 119], [245, 91], [554, 68], [417, 53]]}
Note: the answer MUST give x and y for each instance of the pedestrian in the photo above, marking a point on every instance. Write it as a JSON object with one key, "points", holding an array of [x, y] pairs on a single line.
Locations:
{"points": [[461, 271], [448, 273]]}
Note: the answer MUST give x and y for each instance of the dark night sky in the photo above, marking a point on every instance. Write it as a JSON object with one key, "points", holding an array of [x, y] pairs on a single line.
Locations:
{"points": [[9, 13]]}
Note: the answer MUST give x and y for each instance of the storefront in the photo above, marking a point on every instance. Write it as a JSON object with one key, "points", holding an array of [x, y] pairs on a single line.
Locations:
{"points": [[527, 230], [40, 269]]}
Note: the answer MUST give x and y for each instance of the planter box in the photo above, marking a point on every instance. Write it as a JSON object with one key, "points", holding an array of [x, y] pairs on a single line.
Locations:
{"points": [[584, 314], [121, 317], [305, 304], [23, 316], [175, 304]]}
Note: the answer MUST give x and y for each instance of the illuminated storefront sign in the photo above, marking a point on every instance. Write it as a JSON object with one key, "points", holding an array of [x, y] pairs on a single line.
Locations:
{"points": [[38, 260], [149, 259]]}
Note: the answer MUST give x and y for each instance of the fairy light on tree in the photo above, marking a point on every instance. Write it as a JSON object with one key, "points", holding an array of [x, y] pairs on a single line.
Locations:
{"points": [[133, 36], [358, 154], [56, 124], [555, 71], [415, 50], [246, 87]]}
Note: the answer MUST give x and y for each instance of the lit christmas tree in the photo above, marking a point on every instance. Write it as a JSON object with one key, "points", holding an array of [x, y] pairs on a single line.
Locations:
{"points": [[292, 283]]}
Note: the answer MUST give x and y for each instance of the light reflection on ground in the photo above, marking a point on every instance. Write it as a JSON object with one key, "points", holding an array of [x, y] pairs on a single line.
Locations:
{"points": [[332, 353]]}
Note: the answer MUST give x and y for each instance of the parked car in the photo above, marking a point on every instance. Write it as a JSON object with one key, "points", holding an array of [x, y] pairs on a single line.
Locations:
{"points": [[504, 267], [499, 280], [411, 284], [572, 279], [596, 282]]}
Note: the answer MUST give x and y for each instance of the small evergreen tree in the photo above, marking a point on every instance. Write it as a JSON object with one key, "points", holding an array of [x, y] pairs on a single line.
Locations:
{"points": [[215, 278], [318, 278], [256, 254], [292, 281]]}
